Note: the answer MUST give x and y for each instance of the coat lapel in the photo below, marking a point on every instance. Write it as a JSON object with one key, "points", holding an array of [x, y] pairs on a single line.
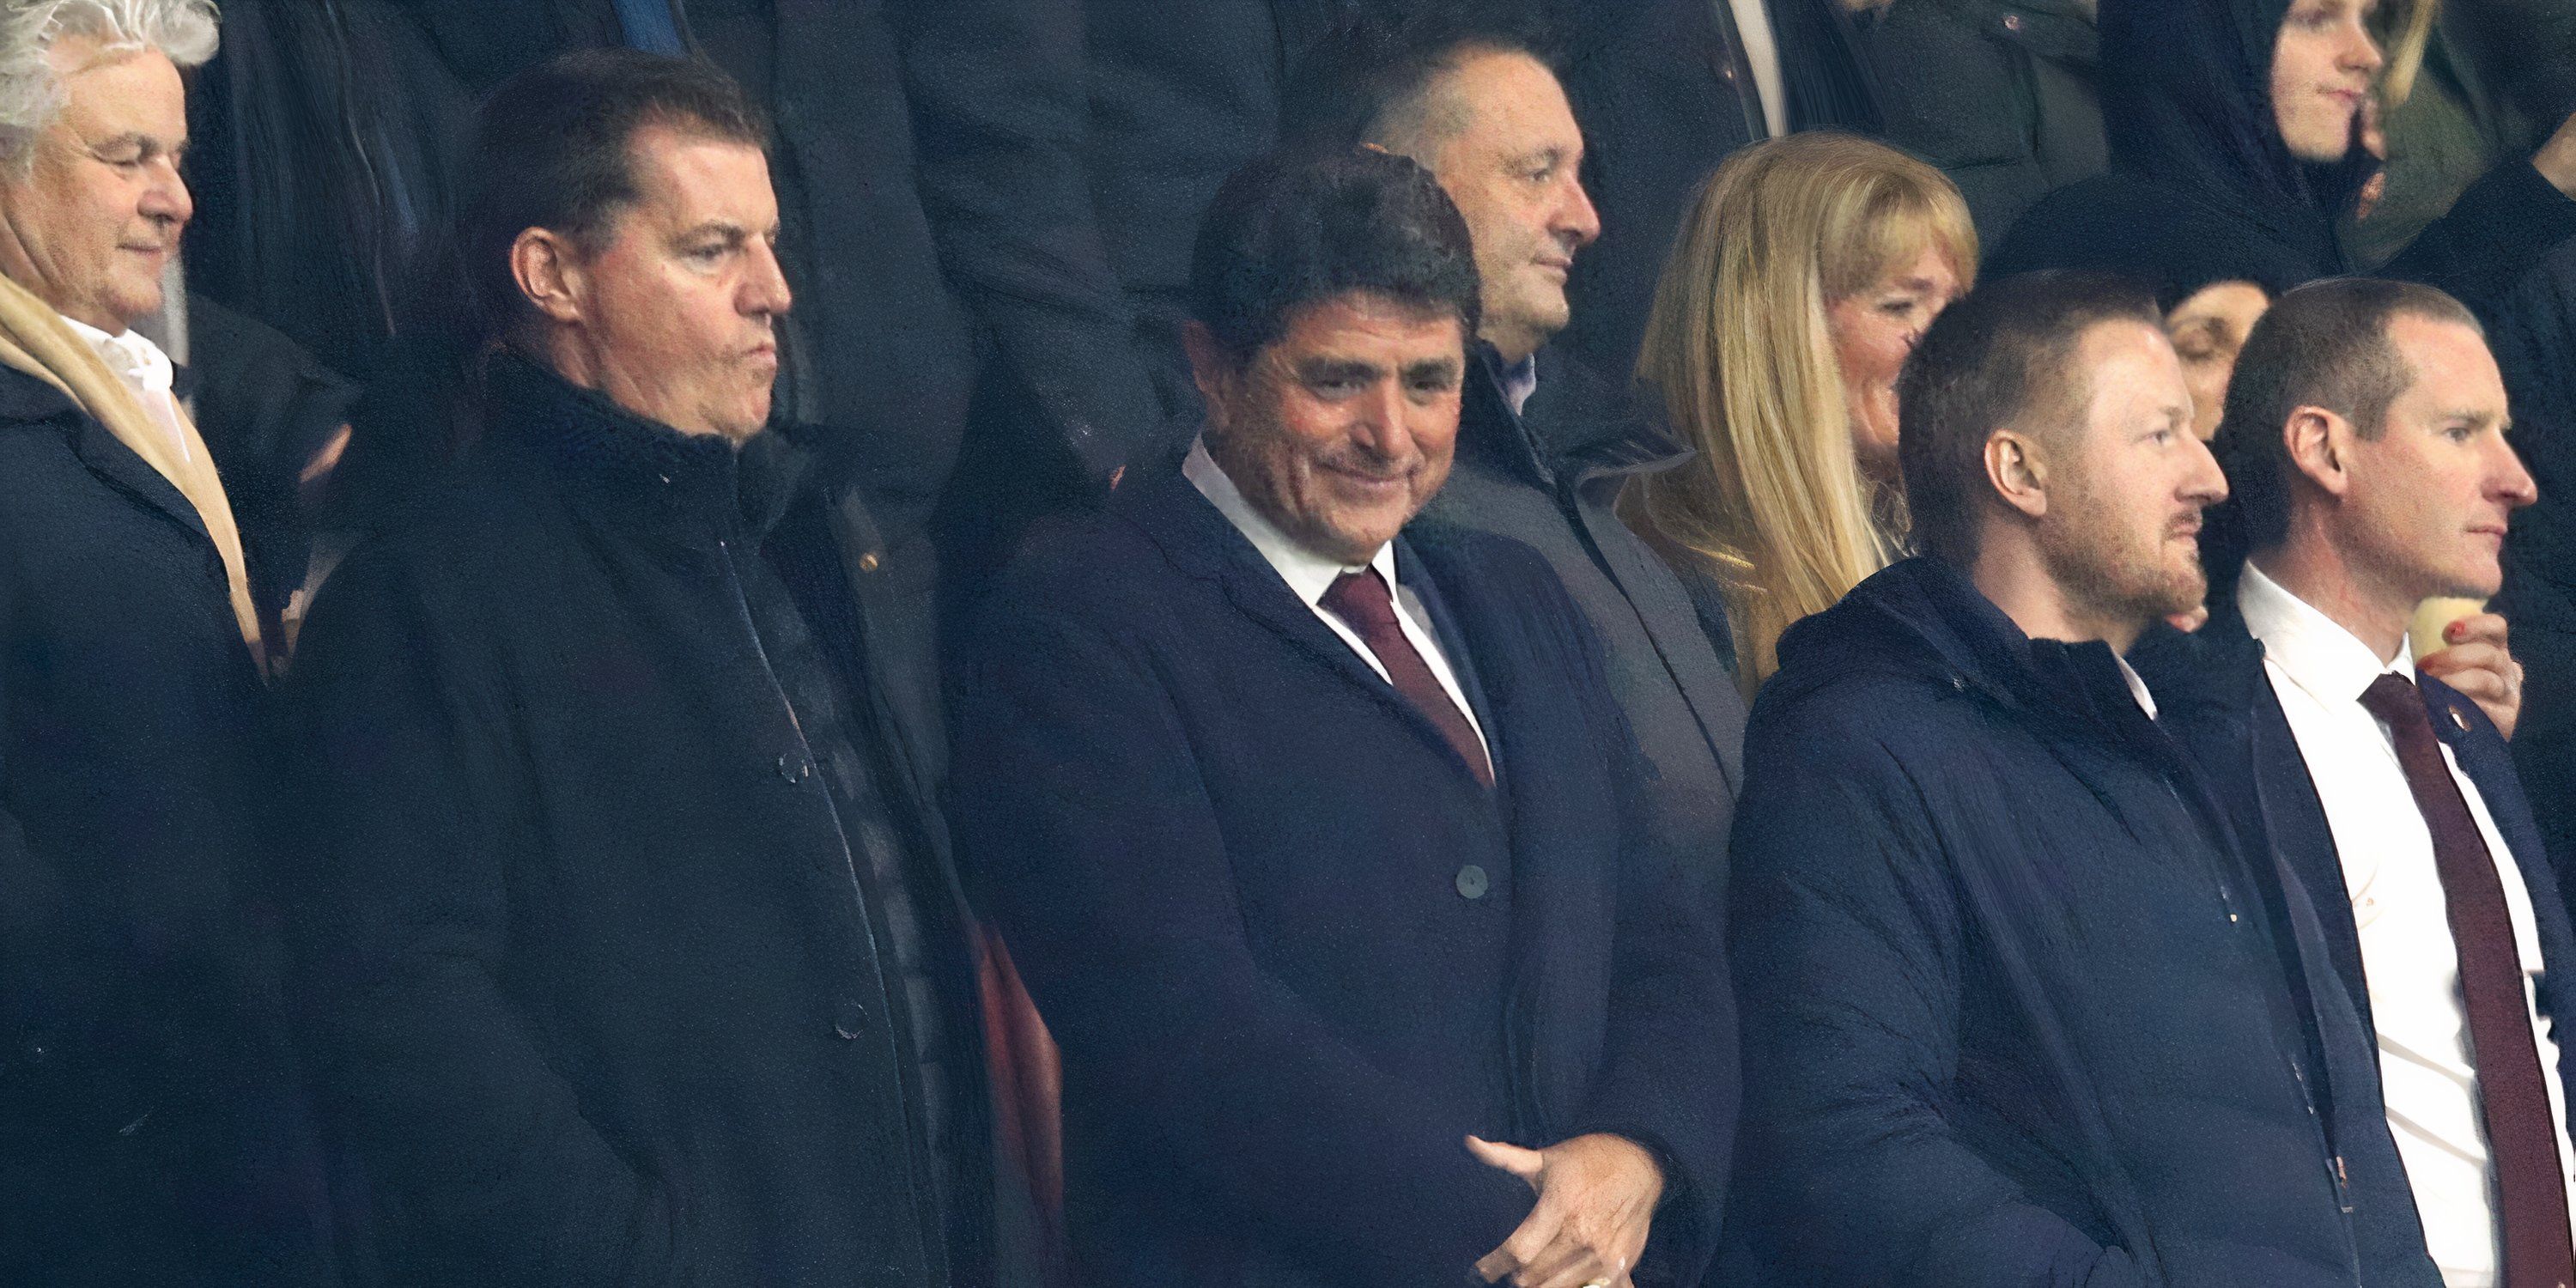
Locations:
{"points": [[1199, 541], [24, 399], [113, 461], [2484, 758]]}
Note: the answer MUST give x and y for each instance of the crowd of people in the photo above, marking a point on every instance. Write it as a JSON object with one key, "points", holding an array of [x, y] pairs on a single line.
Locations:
{"points": [[1287, 643]]}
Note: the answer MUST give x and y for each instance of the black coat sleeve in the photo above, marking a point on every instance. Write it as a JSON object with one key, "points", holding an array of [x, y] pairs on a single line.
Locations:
{"points": [[1000, 101], [1848, 947], [473, 1145], [2491, 237], [1079, 806]]}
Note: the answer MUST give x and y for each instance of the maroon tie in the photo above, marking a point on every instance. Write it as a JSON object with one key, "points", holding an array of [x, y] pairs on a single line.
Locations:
{"points": [[1361, 599], [2522, 1139]]}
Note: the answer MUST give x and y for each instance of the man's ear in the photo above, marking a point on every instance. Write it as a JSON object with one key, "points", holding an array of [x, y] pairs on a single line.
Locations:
{"points": [[2016, 472], [549, 272], [1212, 369], [2320, 444]]}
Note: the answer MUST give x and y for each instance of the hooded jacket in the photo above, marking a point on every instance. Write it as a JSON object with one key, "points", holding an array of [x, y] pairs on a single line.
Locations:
{"points": [[2203, 189], [2016, 1009]]}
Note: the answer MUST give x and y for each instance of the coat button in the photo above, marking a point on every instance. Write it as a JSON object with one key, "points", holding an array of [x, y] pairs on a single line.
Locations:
{"points": [[868, 562], [1472, 882], [2012, 22], [794, 768], [850, 1020]]}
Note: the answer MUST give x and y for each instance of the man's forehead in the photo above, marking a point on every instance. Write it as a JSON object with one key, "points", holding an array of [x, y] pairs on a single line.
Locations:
{"points": [[1511, 101], [687, 177], [1371, 327], [109, 94]]}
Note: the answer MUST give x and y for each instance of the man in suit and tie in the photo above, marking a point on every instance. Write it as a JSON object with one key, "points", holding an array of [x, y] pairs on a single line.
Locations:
{"points": [[2365, 441], [1544, 443], [1314, 842]]}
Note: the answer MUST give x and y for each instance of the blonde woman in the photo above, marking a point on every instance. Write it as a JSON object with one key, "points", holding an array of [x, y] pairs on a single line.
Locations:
{"points": [[1801, 280]]}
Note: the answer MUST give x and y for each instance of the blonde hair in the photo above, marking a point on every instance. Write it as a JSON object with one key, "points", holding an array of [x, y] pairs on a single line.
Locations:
{"points": [[2405, 30], [1774, 508]]}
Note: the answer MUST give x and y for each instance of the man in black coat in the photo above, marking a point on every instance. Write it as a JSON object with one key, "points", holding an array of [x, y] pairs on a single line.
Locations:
{"points": [[2365, 439], [150, 1130], [1313, 839], [1543, 442], [2015, 1008], [623, 961]]}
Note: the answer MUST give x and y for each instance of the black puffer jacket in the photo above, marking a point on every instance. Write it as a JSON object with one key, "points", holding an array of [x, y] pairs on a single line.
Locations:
{"points": [[2014, 1011]]}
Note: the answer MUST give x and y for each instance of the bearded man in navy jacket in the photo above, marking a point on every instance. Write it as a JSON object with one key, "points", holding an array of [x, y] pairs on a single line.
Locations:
{"points": [[1314, 841]]}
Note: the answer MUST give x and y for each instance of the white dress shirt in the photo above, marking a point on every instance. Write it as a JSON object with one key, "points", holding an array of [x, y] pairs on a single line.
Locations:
{"points": [[1762, 49], [1309, 575], [2427, 1076], [143, 368]]}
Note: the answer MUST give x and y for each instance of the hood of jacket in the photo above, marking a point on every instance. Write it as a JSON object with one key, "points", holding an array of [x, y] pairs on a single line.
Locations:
{"points": [[2187, 105]]}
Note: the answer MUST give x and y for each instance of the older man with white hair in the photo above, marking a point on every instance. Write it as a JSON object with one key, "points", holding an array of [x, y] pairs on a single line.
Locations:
{"points": [[148, 1122]]}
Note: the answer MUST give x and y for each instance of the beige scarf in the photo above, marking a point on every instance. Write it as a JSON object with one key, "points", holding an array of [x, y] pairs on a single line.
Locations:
{"points": [[34, 339]]}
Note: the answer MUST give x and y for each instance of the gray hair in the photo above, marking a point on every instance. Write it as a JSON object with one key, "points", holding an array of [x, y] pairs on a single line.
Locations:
{"points": [[31, 94]]}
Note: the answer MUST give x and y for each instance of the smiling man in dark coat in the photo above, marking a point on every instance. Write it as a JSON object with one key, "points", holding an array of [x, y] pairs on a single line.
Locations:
{"points": [[2015, 1008], [1544, 441], [1314, 841], [625, 962]]}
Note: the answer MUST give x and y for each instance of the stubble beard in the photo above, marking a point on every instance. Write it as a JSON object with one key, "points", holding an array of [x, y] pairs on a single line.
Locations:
{"points": [[2113, 580]]}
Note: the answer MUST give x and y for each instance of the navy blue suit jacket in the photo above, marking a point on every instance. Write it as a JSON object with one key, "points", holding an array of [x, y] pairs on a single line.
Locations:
{"points": [[2219, 701], [1234, 867]]}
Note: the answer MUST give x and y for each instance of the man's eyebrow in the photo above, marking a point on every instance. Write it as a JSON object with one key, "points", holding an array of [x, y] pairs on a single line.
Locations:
{"points": [[733, 234], [1430, 367], [1337, 369], [148, 145]]}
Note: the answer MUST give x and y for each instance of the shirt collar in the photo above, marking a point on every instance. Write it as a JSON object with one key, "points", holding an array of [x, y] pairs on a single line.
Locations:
{"points": [[132, 356], [1308, 574], [2315, 651], [2137, 686], [1520, 380]]}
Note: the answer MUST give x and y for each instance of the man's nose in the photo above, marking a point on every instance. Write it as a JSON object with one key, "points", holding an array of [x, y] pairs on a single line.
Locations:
{"points": [[166, 197], [1576, 218], [2207, 483], [2514, 485], [765, 288], [2361, 54], [1378, 425]]}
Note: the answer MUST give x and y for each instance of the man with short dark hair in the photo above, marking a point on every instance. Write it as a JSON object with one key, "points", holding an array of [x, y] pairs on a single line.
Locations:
{"points": [[627, 964], [1312, 840], [2365, 437], [2018, 1007], [1544, 443]]}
